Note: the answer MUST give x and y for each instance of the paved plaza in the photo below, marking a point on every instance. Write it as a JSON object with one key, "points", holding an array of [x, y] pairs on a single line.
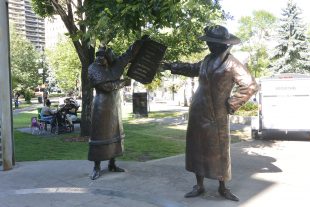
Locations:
{"points": [[265, 173]]}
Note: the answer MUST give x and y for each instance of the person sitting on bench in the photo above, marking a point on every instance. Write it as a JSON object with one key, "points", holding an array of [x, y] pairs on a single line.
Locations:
{"points": [[47, 114], [70, 109]]}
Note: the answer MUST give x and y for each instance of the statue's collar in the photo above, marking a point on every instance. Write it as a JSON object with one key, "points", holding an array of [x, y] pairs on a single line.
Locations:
{"points": [[220, 59]]}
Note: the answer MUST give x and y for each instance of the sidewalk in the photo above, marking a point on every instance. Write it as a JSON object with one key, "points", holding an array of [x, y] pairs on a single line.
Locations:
{"points": [[30, 108], [265, 173]]}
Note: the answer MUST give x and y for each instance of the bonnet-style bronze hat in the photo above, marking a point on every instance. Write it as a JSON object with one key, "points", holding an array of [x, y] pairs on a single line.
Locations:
{"points": [[107, 53], [219, 34]]}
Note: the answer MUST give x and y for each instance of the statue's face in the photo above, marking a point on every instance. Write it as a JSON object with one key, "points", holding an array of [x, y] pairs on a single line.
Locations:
{"points": [[102, 60], [216, 48]]}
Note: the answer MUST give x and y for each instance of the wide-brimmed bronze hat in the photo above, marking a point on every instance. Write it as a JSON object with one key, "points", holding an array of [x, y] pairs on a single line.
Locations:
{"points": [[219, 34]]}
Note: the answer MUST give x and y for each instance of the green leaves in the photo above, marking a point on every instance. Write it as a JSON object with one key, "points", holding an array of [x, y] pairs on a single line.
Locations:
{"points": [[43, 8], [257, 26], [65, 65], [176, 23], [173, 22], [254, 31], [25, 61]]}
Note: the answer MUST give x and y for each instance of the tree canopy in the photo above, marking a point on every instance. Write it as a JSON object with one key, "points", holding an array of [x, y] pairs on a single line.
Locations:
{"points": [[117, 23], [255, 32], [25, 62], [256, 27], [65, 65], [175, 23]]}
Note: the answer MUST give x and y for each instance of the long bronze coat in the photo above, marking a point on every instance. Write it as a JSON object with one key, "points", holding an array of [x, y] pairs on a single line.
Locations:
{"points": [[208, 133], [107, 132]]}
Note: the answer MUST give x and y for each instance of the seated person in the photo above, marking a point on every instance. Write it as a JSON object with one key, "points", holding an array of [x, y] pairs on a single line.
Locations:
{"points": [[70, 108], [47, 114]]}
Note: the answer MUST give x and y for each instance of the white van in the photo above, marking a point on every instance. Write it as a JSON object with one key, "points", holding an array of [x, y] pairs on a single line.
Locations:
{"points": [[284, 107]]}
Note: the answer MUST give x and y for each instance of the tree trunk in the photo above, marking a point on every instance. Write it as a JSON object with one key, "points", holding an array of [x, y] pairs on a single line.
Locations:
{"points": [[87, 90], [86, 56], [87, 98]]}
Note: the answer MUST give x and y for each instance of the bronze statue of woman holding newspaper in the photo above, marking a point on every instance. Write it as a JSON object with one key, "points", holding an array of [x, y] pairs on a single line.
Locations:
{"points": [[107, 134]]}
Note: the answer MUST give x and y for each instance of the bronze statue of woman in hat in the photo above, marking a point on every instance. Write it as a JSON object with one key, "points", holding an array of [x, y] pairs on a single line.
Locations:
{"points": [[208, 135]]}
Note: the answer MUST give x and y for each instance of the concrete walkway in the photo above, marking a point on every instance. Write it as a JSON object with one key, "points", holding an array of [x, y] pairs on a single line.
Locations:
{"points": [[265, 173]]}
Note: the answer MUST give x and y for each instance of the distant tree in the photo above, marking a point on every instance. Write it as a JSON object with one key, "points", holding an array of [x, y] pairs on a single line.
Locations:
{"points": [[257, 27], [292, 54], [259, 61], [255, 31], [25, 62], [66, 65]]}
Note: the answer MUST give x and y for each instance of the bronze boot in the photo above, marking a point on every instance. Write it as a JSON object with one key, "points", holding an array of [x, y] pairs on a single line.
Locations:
{"points": [[114, 168], [226, 193], [95, 174], [197, 190]]}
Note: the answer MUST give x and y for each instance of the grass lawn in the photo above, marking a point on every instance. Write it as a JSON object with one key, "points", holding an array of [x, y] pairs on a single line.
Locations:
{"points": [[30, 147], [152, 141], [23, 119], [143, 141], [22, 105]]}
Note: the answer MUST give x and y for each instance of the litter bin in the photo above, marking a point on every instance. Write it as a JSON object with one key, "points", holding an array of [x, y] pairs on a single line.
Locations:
{"points": [[40, 99], [139, 104]]}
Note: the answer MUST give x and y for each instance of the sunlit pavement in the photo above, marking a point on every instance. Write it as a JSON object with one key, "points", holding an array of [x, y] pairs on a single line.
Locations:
{"points": [[265, 173]]}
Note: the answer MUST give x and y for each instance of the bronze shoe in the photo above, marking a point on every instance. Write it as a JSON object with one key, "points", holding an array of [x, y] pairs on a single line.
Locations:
{"points": [[226, 193], [197, 190], [114, 168], [95, 174]]}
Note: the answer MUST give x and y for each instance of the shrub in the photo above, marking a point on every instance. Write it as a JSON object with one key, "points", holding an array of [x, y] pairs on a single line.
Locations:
{"points": [[28, 94], [248, 109]]}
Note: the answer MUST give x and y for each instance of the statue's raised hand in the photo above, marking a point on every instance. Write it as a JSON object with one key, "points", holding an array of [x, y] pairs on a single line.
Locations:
{"points": [[164, 66]]}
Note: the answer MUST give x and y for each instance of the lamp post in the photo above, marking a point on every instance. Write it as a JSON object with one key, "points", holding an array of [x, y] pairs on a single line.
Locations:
{"points": [[42, 71], [7, 152], [42, 65]]}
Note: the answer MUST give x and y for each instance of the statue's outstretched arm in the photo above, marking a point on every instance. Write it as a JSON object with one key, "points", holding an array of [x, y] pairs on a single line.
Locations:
{"points": [[186, 69], [120, 63]]}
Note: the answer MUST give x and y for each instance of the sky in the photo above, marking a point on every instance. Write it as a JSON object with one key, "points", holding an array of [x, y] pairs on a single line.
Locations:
{"points": [[239, 8]]}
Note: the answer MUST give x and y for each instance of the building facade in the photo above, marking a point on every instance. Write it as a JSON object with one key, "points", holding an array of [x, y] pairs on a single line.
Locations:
{"points": [[26, 22], [55, 31]]}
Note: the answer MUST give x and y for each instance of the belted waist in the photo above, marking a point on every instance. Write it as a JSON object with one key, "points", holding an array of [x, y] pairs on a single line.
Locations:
{"points": [[106, 141]]}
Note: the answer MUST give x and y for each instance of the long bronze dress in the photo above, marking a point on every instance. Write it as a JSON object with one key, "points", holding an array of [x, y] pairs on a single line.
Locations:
{"points": [[208, 134], [107, 132]]}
